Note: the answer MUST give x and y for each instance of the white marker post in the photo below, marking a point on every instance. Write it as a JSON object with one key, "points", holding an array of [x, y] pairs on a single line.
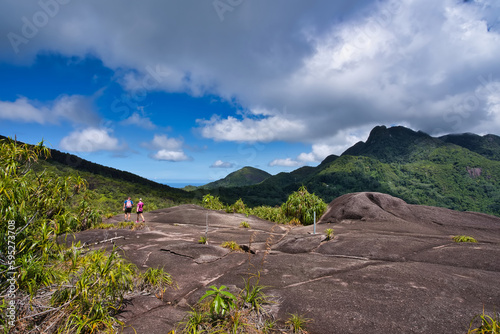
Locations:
{"points": [[314, 222], [206, 230]]}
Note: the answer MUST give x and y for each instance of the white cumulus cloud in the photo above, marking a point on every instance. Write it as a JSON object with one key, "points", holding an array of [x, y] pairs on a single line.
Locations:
{"points": [[173, 156], [163, 142], [335, 65], [22, 110], [90, 140], [251, 130], [137, 120], [285, 163], [167, 149], [76, 109], [222, 164]]}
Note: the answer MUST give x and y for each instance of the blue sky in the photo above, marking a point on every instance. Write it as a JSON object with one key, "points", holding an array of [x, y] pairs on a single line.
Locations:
{"points": [[189, 91]]}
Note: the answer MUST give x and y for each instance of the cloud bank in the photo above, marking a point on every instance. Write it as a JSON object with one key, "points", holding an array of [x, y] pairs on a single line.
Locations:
{"points": [[75, 109], [316, 72]]}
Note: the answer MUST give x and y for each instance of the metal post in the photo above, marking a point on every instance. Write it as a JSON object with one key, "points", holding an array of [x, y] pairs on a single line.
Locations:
{"points": [[314, 222], [206, 230]]}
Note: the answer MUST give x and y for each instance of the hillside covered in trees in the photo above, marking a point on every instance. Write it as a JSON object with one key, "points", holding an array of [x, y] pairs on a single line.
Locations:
{"points": [[459, 171]]}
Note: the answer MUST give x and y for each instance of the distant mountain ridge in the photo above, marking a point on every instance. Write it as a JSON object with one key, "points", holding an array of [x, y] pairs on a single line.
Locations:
{"points": [[456, 171], [245, 176], [460, 172], [487, 145], [392, 144]]}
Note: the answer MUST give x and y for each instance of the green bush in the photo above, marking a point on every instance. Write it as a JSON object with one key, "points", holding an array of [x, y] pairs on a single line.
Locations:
{"points": [[239, 207], [81, 293], [302, 205], [92, 296], [212, 203], [274, 214]]}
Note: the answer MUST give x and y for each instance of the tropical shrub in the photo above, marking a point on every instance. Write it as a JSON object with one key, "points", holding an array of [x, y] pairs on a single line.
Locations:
{"points": [[81, 291], [220, 311], [302, 205], [211, 202], [222, 301], [274, 214], [91, 296], [239, 207]]}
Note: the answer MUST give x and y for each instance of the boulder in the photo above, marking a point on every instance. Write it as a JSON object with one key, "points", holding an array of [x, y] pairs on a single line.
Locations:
{"points": [[391, 267]]}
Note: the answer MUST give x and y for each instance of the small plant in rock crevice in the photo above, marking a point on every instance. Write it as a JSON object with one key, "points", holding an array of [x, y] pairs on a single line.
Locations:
{"points": [[220, 311], [329, 234], [463, 238], [158, 280], [222, 301], [232, 245], [297, 323], [252, 294], [489, 325]]}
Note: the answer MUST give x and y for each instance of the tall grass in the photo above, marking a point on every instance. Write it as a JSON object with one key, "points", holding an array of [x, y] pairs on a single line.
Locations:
{"points": [[58, 288], [489, 325]]}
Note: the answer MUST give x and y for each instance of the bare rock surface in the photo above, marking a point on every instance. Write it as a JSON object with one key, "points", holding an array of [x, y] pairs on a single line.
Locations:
{"points": [[391, 268]]}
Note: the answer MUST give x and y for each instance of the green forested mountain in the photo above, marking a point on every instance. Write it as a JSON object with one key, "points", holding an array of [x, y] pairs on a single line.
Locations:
{"points": [[396, 144], [488, 145], [460, 172], [109, 187], [245, 176], [411, 165]]}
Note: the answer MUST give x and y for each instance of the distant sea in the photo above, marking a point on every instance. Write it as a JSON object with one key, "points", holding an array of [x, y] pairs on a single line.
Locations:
{"points": [[183, 184]]}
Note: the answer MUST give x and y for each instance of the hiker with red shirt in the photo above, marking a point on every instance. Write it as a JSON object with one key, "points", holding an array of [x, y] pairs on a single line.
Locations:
{"points": [[127, 208], [140, 208]]}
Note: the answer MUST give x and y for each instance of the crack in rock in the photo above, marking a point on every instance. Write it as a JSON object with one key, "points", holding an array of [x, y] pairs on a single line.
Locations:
{"points": [[174, 253]]}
